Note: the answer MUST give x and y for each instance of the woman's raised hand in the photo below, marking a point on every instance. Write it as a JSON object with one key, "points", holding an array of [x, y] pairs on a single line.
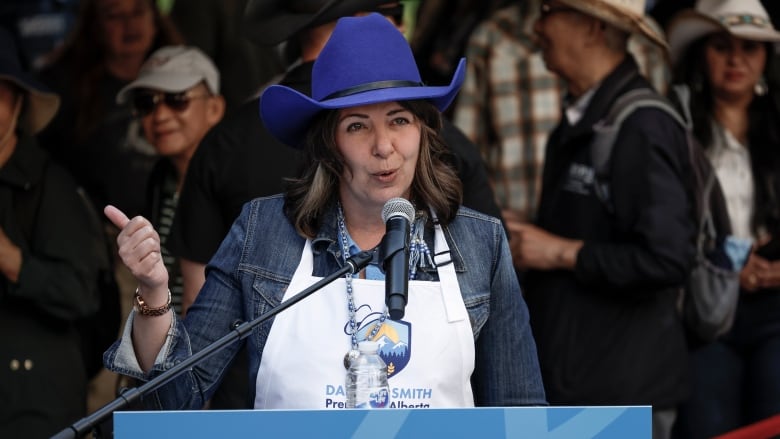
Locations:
{"points": [[139, 248]]}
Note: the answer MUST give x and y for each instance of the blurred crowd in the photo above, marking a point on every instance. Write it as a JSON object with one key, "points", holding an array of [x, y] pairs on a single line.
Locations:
{"points": [[156, 113]]}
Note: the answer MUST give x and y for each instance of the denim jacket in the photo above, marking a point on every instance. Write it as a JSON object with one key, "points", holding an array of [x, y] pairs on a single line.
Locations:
{"points": [[248, 276]]}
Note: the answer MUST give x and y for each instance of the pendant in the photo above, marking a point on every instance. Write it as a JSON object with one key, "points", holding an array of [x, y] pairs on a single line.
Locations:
{"points": [[350, 356]]}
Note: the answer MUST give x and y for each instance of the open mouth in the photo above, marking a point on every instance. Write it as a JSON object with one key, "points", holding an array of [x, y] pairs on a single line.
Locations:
{"points": [[385, 175]]}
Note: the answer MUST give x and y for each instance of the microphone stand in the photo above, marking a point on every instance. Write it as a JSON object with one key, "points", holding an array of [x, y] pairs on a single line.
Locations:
{"points": [[239, 332]]}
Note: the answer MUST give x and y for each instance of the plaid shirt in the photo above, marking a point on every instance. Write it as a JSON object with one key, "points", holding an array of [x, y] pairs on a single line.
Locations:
{"points": [[510, 102]]}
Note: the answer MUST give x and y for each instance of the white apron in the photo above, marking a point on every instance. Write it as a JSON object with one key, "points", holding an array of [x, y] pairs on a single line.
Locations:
{"points": [[430, 353]]}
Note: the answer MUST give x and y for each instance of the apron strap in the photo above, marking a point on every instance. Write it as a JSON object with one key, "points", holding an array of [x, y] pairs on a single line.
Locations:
{"points": [[453, 301]]}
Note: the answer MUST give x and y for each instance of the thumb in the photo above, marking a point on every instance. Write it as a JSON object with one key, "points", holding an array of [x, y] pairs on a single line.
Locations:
{"points": [[117, 217]]}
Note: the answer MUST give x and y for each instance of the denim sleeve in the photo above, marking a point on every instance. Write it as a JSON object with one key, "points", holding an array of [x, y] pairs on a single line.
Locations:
{"points": [[507, 367], [219, 303], [121, 358]]}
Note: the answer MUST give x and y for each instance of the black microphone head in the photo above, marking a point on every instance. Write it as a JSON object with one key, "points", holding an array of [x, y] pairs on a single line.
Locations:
{"points": [[398, 207]]}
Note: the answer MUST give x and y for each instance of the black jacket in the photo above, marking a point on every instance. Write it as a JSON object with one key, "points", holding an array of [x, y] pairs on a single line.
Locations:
{"points": [[608, 332], [43, 214], [43, 378]]}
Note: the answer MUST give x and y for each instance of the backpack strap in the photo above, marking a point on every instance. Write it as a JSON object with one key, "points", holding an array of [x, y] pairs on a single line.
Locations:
{"points": [[607, 129], [704, 177]]}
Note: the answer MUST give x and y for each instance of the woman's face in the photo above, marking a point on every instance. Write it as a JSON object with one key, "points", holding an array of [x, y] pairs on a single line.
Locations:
{"points": [[381, 145], [734, 65], [127, 26]]}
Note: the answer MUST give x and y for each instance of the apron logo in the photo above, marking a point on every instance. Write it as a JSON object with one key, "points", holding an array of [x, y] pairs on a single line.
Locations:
{"points": [[395, 341]]}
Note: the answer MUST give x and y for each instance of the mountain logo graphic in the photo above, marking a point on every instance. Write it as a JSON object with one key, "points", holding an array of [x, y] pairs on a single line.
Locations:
{"points": [[394, 339]]}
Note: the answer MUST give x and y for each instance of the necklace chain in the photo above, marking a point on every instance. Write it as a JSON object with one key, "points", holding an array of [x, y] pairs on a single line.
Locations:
{"points": [[420, 256], [353, 329]]}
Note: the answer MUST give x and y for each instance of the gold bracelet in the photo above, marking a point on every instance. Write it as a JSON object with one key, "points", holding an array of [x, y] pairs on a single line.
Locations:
{"points": [[142, 308]]}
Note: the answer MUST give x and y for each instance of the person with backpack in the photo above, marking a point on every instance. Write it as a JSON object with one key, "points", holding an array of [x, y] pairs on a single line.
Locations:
{"points": [[602, 284], [722, 52], [51, 253]]}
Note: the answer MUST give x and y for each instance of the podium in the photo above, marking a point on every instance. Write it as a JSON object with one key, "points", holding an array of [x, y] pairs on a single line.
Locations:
{"points": [[617, 422]]}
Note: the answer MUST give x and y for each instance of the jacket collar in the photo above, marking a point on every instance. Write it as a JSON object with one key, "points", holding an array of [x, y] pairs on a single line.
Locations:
{"points": [[620, 80], [327, 240], [327, 236]]}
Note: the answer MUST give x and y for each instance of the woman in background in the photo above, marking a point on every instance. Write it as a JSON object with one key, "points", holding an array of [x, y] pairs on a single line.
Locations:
{"points": [[94, 137], [723, 52]]}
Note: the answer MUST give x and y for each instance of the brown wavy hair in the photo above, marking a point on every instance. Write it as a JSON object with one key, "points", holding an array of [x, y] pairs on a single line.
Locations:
{"points": [[435, 184]]}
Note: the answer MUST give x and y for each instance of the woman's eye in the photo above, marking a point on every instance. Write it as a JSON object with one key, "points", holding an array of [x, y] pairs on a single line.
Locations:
{"points": [[719, 47], [400, 121], [354, 126], [718, 43]]}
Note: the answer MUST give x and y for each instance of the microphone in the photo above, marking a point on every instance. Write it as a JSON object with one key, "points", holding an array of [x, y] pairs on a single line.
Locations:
{"points": [[397, 214]]}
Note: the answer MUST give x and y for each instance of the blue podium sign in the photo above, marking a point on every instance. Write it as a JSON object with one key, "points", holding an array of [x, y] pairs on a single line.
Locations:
{"points": [[474, 423]]}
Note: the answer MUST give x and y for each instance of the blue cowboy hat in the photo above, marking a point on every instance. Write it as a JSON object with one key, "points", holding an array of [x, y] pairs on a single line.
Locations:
{"points": [[365, 61], [41, 104]]}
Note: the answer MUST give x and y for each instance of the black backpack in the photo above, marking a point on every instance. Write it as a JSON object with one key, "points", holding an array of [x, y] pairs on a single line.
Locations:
{"points": [[708, 301]]}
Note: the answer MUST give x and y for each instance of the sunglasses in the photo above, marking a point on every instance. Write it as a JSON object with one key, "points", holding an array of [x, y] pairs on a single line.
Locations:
{"points": [[395, 12], [146, 102]]}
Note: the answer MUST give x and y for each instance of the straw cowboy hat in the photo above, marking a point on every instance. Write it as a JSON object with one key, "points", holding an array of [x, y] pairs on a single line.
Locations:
{"points": [[365, 61], [742, 18], [270, 22], [41, 104], [627, 15]]}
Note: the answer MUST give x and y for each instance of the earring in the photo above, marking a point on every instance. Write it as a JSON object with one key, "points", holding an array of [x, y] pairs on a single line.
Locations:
{"points": [[761, 87]]}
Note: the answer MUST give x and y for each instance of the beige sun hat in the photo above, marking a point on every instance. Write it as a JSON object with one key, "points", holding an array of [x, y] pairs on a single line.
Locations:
{"points": [[627, 15], [742, 18]]}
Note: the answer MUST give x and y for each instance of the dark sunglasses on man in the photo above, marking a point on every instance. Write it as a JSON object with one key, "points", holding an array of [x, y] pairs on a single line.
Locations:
{"points": [[145, 102]]}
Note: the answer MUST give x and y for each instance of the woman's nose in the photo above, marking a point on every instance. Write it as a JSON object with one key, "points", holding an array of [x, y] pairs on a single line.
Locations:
{"points": [[383, 142]]}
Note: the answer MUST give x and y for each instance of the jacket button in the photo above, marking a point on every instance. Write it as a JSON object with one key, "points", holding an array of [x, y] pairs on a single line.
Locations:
{"points": [[14, 366], [28, 364]]}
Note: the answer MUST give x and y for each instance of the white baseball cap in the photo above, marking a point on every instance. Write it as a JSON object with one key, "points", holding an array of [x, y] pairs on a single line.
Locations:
{"points": [[174, 69]]}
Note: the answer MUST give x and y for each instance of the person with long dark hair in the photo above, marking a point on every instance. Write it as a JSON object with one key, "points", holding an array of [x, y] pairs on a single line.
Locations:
{"points": [[107, 152], [723, 53]]}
